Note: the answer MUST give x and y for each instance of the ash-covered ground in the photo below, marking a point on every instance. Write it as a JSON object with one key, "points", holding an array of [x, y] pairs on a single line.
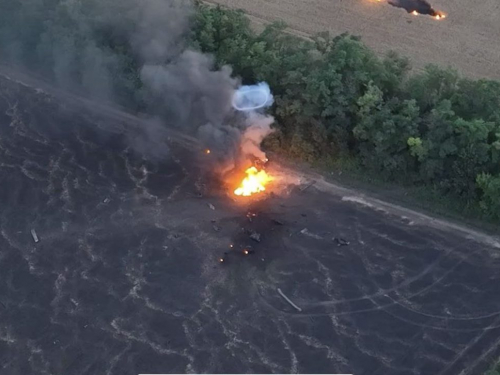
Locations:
{"points": [[126, 276]]}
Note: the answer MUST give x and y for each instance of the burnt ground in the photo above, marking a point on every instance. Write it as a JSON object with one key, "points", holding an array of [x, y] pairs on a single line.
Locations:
{"points": [[126, 277]]}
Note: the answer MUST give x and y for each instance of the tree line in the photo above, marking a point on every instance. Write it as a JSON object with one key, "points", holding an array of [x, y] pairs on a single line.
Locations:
{"points": [[336, 98]]}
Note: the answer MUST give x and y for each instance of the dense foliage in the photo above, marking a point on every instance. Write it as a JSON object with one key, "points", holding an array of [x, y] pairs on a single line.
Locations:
{"points": [[334, 97]]}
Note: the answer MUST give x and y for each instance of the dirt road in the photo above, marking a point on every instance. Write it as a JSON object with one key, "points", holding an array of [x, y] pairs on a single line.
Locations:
{"points": [[466, 40]]}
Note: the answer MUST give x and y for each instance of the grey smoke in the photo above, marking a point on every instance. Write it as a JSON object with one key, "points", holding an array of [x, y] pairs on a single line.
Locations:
{"points": [[161, 27], [258, 127], [190, 90], [181, 87]]}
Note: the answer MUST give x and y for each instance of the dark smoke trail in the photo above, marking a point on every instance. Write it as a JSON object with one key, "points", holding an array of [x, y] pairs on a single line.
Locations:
{"points": [[419, 6]]}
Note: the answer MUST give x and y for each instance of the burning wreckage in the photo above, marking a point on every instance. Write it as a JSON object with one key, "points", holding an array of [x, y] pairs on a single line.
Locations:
{"points": [[249, 100], [244, 169]]}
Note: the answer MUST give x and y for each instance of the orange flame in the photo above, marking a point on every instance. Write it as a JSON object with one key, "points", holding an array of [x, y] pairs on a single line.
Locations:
{"points": [[255, 182]]}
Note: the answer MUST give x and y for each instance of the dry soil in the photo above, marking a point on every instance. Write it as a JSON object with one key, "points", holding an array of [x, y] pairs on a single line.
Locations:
{"points": [[468, 39]]}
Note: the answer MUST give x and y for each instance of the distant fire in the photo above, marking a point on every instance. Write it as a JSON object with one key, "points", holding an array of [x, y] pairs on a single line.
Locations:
{"points": [[416, 7], [255, 182]]}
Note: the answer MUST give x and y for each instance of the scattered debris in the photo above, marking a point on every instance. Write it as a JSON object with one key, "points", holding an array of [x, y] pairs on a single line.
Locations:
{"points": [[250, 215], [107, 200], [303, 188], [305, 232], [277, 222], [340, 241], [289, 301], [255, 236], [212, 207], [221, 260], [303, 215], [216, 228], [35, 237]]}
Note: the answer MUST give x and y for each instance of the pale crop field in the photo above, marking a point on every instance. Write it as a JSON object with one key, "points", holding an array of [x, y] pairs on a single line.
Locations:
{"points": [[468, 39]]}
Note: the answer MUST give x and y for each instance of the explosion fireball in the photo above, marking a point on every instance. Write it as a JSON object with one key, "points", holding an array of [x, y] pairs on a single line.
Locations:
{"points": [[255, 182]]}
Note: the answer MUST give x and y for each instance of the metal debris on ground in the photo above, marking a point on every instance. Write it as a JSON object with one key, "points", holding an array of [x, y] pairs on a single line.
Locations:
{"points": [[306, 232], [255, 236], [107, 200], [216, 228], [212, 207], [277, 222], [289, 301], [35, 237], [340, 241]]}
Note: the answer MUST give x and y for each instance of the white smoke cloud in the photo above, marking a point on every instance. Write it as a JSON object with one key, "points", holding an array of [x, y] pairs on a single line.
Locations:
{"points": [[250, 100], [259, 127]]}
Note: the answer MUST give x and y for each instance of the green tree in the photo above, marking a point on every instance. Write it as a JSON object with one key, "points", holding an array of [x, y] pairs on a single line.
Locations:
{"points": [[432, 86], [477, 99], [455, 150], [490, 194], [383, 131]]}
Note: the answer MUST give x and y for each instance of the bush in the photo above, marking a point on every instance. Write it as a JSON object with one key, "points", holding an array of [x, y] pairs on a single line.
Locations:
{"points": [[490, 194]]}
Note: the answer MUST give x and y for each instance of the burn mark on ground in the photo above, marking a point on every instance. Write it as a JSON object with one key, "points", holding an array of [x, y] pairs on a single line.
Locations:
{"points": [[417, 7]]}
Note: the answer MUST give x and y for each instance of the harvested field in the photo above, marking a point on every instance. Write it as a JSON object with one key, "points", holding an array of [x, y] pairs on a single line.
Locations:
{"points": [[466, 40]]}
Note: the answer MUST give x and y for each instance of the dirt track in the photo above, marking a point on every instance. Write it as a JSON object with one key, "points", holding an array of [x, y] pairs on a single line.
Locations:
{"points": [[467, 40]]}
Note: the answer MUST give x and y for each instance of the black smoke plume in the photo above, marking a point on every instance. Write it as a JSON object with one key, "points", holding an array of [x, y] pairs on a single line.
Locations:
{"points": [[132, 52]]}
